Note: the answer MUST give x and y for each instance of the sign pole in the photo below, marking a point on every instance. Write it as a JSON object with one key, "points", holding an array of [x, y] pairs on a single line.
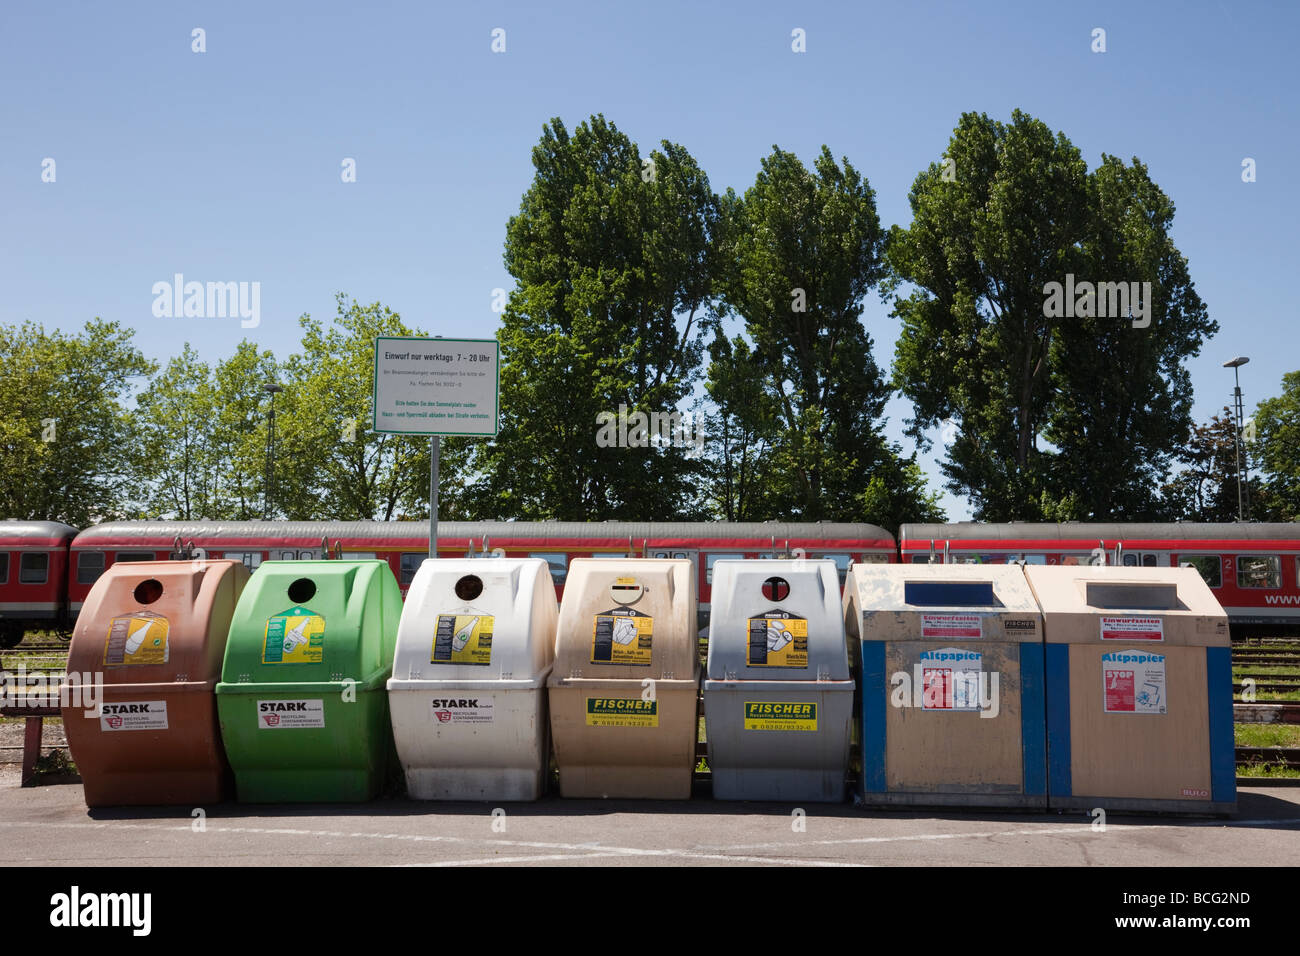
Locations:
{"points": [[435, 450]]}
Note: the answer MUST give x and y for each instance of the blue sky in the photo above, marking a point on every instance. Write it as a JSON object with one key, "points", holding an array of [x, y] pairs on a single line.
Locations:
{"points": [[225, 165]]}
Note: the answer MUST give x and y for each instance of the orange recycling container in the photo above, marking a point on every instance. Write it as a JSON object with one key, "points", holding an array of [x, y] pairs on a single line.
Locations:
{"points": [[140, 707]]}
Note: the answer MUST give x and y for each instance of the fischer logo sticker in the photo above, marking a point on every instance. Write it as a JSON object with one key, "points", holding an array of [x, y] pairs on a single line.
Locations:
{"points": [[622, 712], [950, 679], [463, 639], [295, 636], [1011, 624], [290, 714], [137, 715], [778, 639], [1133, 682], [462, 710], [136, 639], [767, 715], [622, 636], [1132, 629], [947, 627]]}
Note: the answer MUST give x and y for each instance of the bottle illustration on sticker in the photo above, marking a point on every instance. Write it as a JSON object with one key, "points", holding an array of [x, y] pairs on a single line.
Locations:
{"points": [[135, 639], [778, 639], [622, 636], [295, 636], [463, 639]]}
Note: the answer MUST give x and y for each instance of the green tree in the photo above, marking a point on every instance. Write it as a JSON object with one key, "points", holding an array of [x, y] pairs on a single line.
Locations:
{"points": [[184, 478], [1274, 443], [1011, 210], [611, 254], [801, 249], [330, 463], [69, 449], [238, 431], [1206, 487]]}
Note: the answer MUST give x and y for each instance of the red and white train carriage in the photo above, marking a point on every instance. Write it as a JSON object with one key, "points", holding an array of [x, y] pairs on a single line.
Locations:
{"points": [[33, 577]]}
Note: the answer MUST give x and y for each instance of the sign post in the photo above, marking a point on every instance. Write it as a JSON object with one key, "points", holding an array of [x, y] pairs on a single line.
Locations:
{"points": [[435, 387]]}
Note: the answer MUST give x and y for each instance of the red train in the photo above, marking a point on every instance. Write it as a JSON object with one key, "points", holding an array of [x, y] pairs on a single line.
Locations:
{"points": [[46, 568]]}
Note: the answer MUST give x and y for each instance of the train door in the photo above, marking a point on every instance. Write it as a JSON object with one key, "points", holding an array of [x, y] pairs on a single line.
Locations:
{"points": [[702, 604]]}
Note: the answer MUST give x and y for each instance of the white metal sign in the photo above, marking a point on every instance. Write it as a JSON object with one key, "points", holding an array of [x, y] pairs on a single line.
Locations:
{"points": [[436, 386]]}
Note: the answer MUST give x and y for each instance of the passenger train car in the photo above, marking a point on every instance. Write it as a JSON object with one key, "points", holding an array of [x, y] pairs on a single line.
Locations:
{"points": [[1253, 569], [47, 568]]}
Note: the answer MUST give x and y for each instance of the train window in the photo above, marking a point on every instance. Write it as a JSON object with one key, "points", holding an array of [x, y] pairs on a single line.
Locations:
{"points": [[4, 567], [1207, 565], [1148, 560], [358, 555], [90, 565], [249, 559], [557, 561], [33, 568], [134, 556], [842, 562], [410, 564], [874, 559], [1130, 560], [1077, 560], [1259, 571], [1032, 558], [920, 559], [708, 564]]}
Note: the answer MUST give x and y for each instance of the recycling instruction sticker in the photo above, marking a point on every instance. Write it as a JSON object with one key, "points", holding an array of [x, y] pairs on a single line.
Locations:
{"points": [[290, 714], [950, 679], [1132, 629], [137, 639], [622, 712], [778, 639], [1133, 682], [463, 639], [766, 715], [136, 715], [948, 627], [295, 636], [622, 636]]}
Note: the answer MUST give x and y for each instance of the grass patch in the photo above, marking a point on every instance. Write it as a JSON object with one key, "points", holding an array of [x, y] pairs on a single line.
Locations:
{"points": [[1268, 696], [1266, 770], [1262, 670], [1267, 735]]}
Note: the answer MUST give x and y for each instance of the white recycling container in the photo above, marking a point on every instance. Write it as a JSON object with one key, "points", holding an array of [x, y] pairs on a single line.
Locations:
{"points": [[778, 695], [468, 693]]}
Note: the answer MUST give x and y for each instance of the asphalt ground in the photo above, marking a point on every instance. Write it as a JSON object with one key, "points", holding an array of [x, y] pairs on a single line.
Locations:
{"points": [[51, 825]]}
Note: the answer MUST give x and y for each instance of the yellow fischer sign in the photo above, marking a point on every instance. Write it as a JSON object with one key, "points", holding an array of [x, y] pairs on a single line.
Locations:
{"points": [[766, 715], [622, 712]]}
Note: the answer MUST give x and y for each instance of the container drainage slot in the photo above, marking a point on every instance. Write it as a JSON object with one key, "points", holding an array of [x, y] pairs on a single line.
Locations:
{"points": [[302, 590], [146, 592], [469, 587]]}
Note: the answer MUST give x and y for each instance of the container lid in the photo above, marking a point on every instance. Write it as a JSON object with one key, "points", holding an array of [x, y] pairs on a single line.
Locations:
{"points": [[477, 619], [941, 602], [777, 621], [628, 618], [313, 622], [157, 622], [1136, 607]]}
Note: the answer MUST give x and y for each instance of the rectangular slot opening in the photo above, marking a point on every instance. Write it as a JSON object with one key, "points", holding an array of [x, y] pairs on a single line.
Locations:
{"points": [[949, 593], [1144, 595]]}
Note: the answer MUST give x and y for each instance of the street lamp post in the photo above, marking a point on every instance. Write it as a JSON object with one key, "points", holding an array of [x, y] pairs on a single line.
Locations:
{"points": [[1243, 494], [268, 488]]}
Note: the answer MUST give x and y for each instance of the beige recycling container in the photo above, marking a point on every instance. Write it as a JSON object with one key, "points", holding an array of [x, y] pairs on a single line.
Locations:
{"points": [[624, 689], [952, 684], [1139, 690]]}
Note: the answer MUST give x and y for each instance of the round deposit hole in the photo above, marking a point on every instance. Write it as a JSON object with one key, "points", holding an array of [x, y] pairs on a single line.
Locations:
{"points": [[146, 592], [302, 590], [469, 587], [776, 589]]}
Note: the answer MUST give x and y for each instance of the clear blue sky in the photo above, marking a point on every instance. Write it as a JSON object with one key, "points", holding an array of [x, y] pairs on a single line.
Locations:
{"points": [[225, 165]]}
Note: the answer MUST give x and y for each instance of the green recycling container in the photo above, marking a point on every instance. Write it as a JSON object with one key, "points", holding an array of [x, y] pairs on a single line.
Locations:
{"points": [[302, 698]]}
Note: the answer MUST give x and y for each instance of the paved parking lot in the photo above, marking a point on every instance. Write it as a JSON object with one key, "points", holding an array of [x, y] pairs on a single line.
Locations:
{"points": [[51, 825]]}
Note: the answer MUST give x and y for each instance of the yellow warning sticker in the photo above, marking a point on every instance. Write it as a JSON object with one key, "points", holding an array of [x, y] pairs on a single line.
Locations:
{"points": [[463, 639], [136, 639], [622, 712], [622, 636], [766, 715], [778, 639], [295, 636]]}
